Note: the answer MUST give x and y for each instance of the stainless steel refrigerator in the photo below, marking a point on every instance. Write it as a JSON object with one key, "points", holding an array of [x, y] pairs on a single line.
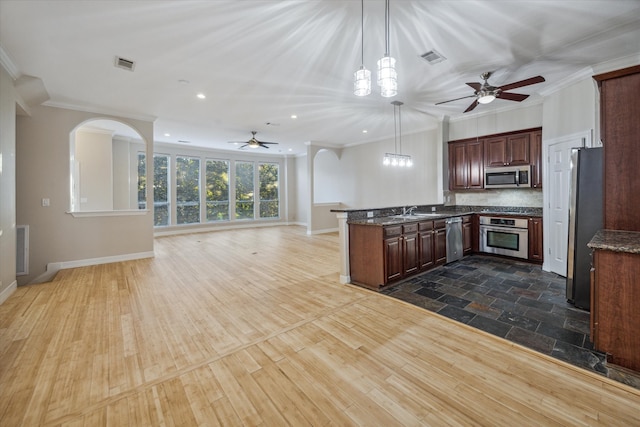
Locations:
{"points": [[585, 218]]}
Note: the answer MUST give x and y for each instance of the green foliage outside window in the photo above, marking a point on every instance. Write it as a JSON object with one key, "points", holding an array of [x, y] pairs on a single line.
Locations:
{"points": [[244, 190], [268, 179], [187, 190], [142, 181], [161, 203], [217, 186]]}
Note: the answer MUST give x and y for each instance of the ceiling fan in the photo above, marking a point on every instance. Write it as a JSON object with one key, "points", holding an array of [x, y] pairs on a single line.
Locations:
{"points": [[253, 142], [485, 93]]}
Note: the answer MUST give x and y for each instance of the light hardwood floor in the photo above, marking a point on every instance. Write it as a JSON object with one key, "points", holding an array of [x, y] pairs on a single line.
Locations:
{"points": [[250, 327]]}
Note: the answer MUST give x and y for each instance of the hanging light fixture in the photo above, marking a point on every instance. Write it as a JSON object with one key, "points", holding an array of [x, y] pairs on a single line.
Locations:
{"points": [[362, 77], [387, 75], [397, 158]]}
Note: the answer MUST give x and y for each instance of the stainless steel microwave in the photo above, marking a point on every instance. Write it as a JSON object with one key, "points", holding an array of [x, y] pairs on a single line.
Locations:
{"points": [[508, 177]]}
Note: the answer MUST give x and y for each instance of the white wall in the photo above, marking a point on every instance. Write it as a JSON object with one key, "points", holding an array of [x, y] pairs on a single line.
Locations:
{"points": [[366, 183], [495, 121], [326, 177], [570, 110], [302, 194], [43, 171], [94, 162], [7, 185]]}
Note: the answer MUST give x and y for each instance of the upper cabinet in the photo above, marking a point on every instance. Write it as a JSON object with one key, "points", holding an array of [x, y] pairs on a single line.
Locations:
{"points": [[620, 127], [536, 159], [468, 158], [510, 150], [466, 165]]}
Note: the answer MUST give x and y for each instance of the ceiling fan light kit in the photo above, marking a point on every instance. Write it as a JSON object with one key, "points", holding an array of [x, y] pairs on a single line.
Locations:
{"points": [[253, 142], [485, 93]]}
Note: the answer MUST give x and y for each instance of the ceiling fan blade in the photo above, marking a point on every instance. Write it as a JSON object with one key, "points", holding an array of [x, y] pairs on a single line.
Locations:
{"points": [[265, 142], [240, 148], [475, 86], [472, 106], [262, 145], [512, 96], [451, 100], [526, 82]]}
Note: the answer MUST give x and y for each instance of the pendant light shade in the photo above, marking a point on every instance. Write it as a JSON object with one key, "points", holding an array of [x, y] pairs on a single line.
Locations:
{"points": [[362, 77], [397, 158], [387, 75]]}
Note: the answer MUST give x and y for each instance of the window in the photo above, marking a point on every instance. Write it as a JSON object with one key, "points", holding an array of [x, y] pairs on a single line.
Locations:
{"points": [[268, 178], [187, 190], [217, 187], [142, 181], [244, 190], [161, 203]]}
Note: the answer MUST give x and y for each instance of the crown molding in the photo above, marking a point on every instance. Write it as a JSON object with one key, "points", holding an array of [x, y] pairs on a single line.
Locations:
{"points": [[103, 111]]}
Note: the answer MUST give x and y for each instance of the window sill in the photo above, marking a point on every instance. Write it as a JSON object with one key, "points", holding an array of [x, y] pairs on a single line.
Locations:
{"points": [[130, 212]]}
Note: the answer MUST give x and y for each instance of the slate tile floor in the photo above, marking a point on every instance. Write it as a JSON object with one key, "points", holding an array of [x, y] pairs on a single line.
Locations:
{"points": [[513, 300]]}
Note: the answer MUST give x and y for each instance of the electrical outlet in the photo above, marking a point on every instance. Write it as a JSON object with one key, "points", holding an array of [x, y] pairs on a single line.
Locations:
{"points": [[370, 214], [46, 202], [433, 208]]}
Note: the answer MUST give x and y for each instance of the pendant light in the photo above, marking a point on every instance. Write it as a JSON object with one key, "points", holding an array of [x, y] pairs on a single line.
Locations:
{"points": [[362, 77], [387, 75], [397, 158]]}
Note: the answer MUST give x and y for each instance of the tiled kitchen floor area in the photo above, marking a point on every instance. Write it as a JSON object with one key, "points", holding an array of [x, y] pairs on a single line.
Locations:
{"points": [[513, 300]]}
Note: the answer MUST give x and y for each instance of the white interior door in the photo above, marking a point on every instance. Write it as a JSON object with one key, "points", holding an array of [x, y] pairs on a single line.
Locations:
{"points": [[557, 185]]}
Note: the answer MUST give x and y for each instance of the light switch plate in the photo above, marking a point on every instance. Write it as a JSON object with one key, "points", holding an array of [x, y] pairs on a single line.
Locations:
{"points": [[45, 202]]}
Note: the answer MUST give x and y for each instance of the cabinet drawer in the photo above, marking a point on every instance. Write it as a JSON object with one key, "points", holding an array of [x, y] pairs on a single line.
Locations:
{"points": [[395, 230], [410, 228], [439, 224], [425, 226]]}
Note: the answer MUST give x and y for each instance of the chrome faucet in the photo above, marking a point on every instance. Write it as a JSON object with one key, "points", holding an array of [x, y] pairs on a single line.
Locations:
{"points": [[408, 211]]}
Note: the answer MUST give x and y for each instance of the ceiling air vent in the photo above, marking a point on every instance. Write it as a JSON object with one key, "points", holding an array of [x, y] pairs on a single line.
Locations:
{"points": [[125, 63], [433, 57]]}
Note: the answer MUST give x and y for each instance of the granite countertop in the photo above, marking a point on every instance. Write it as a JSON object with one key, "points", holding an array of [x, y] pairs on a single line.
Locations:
{"points": [[616, 241], [393, 220]]}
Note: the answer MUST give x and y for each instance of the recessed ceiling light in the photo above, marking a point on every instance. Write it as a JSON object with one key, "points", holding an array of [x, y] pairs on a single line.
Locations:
{"points": [[167, 134], [290, 149], [201, 95], [293, 116], [364, 131]]}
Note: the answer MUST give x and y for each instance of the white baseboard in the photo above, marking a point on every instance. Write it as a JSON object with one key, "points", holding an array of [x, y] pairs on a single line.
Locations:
{"points": [[54, 267], [326, 230], [173, 231], [345, 279], [7, 292]]}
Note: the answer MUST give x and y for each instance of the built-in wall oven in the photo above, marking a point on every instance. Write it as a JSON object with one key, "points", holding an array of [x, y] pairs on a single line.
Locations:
{"points": [[504, 236]]}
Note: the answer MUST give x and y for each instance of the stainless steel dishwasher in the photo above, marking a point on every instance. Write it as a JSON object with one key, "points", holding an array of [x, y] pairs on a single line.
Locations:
{"points": [[454, 239]]}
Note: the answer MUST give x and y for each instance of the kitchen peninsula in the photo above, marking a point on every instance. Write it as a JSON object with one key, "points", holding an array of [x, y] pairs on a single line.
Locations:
{"points": [[379, 247]]}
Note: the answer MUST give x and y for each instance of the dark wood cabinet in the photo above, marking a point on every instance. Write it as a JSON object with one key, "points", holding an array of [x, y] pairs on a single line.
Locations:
{"points": [[440, 241], [536, 159], [615, 318], [381, 255], [508, 150], [535, 240], [467, 235], [425, 245], [410, 252], [466, 165], [620, 127], [468, 158]]}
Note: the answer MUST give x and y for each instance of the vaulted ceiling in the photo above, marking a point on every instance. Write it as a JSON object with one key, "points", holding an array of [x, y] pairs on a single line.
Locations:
{"points": [[260, 62]]}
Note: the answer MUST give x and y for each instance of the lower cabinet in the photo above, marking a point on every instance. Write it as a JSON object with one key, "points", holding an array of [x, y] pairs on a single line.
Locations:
{"points": [[440, 241], [615, 318], [536, 253], [381, 255], [467, 235]]}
